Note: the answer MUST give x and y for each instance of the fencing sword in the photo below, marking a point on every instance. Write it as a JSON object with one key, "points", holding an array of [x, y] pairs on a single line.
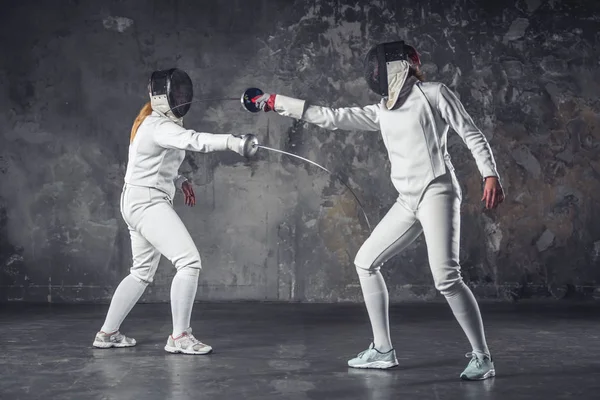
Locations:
{"points": [[246, 100], [362, 209], [250, 106], [206, 101]]}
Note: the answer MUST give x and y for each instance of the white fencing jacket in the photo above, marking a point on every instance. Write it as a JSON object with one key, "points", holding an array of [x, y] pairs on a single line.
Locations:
{"points": [[158, 150], [415, 134]]}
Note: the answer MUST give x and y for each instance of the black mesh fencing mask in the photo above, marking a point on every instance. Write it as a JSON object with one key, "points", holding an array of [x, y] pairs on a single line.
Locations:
{"points": [[171, 92], [375, 63]]}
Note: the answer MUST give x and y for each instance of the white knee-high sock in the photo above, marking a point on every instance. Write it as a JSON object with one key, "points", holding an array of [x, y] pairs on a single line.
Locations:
{"points": [[183, 294], [376, 298], [127, 294], [466, 311]]}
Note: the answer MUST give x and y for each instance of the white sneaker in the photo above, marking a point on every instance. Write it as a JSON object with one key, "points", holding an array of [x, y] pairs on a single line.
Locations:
{"points": [[373, 358], [108, 340], [187, 344]]}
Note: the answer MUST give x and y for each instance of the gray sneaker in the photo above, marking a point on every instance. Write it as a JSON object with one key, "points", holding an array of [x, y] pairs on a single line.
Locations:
{"points": [[108, 340], [480, 367], [373, 358], [187, 344]]}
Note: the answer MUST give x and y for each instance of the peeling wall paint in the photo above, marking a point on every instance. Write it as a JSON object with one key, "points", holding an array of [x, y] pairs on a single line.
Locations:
{"points": [[277, 229], [119, 24]]}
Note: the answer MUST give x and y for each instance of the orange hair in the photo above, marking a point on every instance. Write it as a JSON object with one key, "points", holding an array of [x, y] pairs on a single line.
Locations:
{"points": [[144, 112]]}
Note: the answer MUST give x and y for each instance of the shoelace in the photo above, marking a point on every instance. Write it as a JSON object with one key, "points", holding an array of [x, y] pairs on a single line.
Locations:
{"points": [[362, 353], [474, 359], [116, 337], [189, 338]]}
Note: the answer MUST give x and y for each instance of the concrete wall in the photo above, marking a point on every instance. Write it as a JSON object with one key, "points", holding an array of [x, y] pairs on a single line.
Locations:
{"points": [[74, 76]]}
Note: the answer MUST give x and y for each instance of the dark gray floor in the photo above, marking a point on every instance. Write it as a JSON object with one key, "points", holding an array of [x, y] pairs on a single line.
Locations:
{"points": [[281, 351]]}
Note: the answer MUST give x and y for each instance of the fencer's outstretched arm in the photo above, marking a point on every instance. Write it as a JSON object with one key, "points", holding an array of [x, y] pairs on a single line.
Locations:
{"points": [[347, 118], [172, 136], [456, 116]]}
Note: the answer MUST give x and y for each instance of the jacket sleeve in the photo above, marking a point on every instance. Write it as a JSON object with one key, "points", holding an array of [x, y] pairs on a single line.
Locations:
{"points": [[169, 135], [348, 118], [455, 115], [178, 181]]}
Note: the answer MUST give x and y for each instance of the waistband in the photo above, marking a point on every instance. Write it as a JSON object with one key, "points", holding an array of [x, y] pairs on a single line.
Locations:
{"points": [[129, 185]]}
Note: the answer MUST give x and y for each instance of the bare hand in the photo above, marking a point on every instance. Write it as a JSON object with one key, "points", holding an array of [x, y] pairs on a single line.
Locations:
{"points": [[188, 193], [493, 194]]}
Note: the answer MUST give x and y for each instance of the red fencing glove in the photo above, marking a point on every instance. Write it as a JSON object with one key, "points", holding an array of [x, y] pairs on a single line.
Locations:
{"points": [[265, 102]]}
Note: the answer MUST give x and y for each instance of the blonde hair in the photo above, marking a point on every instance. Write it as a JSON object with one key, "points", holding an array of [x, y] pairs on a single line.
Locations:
{"points": [[144, 112]]}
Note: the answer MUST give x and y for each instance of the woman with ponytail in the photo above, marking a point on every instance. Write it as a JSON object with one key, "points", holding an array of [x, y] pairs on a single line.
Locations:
{"points": [[157, 146]]}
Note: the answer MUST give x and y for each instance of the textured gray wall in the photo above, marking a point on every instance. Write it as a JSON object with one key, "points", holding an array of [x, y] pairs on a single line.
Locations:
{"points": [[73, 78]]}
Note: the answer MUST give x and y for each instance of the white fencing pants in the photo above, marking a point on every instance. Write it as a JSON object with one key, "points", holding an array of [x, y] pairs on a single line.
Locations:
{"points": [[155, 229], [438, 217]]}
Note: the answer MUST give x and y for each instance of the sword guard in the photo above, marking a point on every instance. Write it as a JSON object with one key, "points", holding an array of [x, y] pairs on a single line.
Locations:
{"points": [[247, 97]]}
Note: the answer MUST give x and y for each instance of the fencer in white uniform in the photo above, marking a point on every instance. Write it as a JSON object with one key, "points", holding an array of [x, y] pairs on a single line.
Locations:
{"points": [[156, 152], [414, 118]]}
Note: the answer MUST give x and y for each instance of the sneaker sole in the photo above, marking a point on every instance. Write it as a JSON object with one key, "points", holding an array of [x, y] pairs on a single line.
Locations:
{"points": [[376, 365], [104, 345], [490, 374], [176, 350]]}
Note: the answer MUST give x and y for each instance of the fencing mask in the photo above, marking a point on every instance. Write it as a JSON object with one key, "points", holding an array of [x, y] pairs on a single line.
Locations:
{"points": [[171, 92], [386, 68]]}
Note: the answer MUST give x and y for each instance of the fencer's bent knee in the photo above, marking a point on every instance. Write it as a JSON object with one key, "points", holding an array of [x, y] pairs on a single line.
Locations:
{"points": [[365, 272], [364, 260], [453, 288], [144, 271], [188, 261], [140, 277], [189, 271], [448, 281]]}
